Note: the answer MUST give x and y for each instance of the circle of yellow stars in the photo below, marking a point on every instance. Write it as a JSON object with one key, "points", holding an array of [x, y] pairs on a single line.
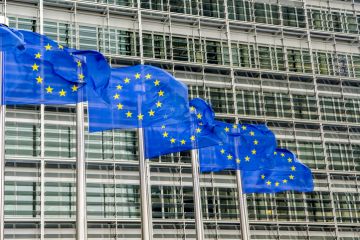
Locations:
{"points": [[255, 142], [190, 138], [129, 114], [284, 181], [41, 81]]}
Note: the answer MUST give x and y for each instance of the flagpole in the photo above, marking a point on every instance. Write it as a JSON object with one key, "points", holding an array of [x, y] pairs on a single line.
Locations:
{"points": [[245, 231], [146, 214], [144, 189], [197, 195], [3, 20], [81, 214]]}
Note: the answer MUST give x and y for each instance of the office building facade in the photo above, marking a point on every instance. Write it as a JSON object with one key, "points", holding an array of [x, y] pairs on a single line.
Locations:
{"points": [[294, 65]]}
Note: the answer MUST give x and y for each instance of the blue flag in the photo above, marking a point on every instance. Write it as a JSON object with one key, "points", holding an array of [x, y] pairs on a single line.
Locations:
{"points": [[244, 146], [10, 39], [43, 73], [287, 173], [184, 135], [138, 96]]}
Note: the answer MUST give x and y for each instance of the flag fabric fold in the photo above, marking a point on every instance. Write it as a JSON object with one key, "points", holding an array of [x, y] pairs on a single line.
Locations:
{"points": [[287, 173], [10, 39], [137, 97]]}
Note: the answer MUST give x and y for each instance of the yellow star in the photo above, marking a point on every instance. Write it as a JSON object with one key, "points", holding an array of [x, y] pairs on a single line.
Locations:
{"points": [[119, 87], [151, 113], [263, 176], [229, 157], [81, 76], [126, 80], [291, 177], [163, 126], [268, 183], [198, 130], [283, 155], [293, 168], [38, 55], [238, 160], [192, 138], [129, 114], [161, 93], [49, 89], [247, 158], [222, 151], [74, 88], [79, 64], [62, 93], [35, 67], [192, 109], [227, 129], [253, 151], [156, 82], [199, 116], [284, 181], [275, 153], [289, 160], [256, 142], [158, 104], [277, 184], [48, 47], [183, 142], [60, 46], [173, 140], [140, 116], [252, 133], [243, 127], [137, 76], [39, 80], [120, 106], [165, 134], [116, 96], [148, 76]]}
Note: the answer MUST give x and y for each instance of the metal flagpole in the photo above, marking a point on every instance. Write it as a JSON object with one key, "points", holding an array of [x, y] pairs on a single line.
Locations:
{"points": [[197, 195], [144, 189], [3, 20], [146, 214], [81, 220], [245, 231], [81, 224]]}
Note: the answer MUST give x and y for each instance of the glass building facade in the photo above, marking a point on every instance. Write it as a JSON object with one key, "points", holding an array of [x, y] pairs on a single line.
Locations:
{"points": [[294, 65]]}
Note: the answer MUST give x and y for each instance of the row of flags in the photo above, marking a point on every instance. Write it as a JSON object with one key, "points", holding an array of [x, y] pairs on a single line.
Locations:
{"points": [[37, 70]]}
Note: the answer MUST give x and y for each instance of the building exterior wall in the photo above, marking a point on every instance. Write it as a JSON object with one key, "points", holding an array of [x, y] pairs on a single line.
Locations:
{"points": [[294, 65]]}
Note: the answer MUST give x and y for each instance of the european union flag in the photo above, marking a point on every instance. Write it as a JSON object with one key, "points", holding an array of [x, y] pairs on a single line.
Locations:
{"points": [[10, 39], [138, 96], [185, 135], [244, 146], [31, 77], [287, 173]]}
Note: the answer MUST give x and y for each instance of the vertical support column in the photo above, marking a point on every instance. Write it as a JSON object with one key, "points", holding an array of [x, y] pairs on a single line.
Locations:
{"points": [[3, 20], [42, 140], [245, 231], [146, 214], [199, 227], [322, 134], [81, 218]]}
